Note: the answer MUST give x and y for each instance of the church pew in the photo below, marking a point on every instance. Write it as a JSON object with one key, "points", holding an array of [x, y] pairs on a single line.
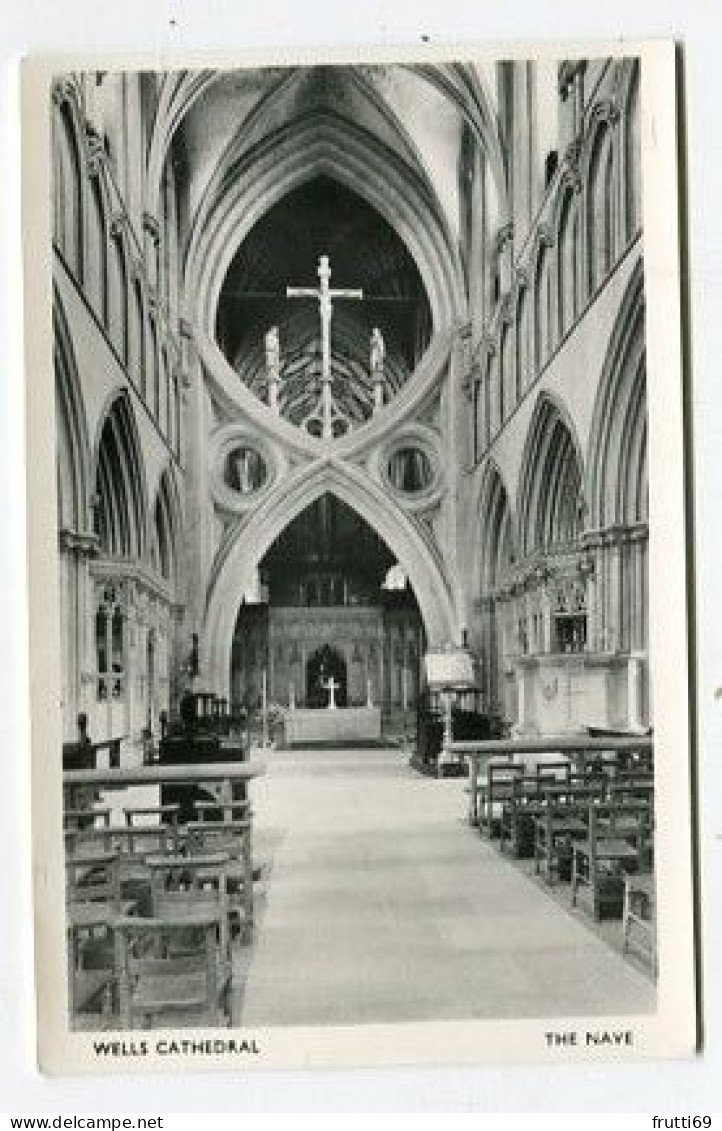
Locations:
{"points": [[616, 843], [172, 971]]}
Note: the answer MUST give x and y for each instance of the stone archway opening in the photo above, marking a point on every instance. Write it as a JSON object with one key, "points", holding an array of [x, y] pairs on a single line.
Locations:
{"points": [[322, 217], [330, 602]]}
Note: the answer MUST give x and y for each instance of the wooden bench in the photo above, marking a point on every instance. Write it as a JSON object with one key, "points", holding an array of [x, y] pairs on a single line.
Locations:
{"points": [[618, 835], [172, 971]]}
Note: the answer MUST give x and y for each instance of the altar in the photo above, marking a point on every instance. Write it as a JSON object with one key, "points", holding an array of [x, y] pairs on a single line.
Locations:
{"points": [[345, 725]]}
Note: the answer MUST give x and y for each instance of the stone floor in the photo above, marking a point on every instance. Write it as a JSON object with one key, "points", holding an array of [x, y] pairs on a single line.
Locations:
{"points": [[379, 904]]}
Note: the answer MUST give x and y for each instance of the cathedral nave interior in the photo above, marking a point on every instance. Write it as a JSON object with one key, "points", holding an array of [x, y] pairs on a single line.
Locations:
{"points": [[350, 375]]}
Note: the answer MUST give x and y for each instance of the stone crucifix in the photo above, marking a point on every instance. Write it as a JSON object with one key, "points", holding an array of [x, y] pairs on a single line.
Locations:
{"points": [[332, 687], [324, 294]]}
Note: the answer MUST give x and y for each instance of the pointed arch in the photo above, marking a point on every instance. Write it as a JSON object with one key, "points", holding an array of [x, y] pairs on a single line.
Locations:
{"points": [[72, 442], [542, 305], [313, 145], [631, 148], [118, 297], [495, 530], [68, 177], [601, 198], [237, 561], [120, 495], [550, 502], [617, 471], [568, 245], [166, 531]]}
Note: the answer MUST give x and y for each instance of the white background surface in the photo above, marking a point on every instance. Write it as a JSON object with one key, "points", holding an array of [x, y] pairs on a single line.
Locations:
{"points": [[32, 26]]}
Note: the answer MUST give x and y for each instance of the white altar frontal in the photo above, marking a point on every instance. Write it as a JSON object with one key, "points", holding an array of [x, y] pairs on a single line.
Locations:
{"points": [[306, 726]]}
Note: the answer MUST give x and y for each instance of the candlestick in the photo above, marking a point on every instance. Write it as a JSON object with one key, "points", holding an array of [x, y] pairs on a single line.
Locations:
{"points": [[264, 707]]}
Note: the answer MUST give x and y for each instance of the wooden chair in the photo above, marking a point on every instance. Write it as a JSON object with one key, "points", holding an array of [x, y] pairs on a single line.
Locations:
{"points": [[78, 820], [527, 800], [639, 917], [161, 818], [493, 792], [172, 971], [93, 902], [618, 835], [181, 886], [91, 971], [214, 811], [233, 838], [560, 822]]}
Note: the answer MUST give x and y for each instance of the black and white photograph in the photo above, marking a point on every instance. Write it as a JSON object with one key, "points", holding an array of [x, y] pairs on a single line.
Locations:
{"points": [[366, 604]]}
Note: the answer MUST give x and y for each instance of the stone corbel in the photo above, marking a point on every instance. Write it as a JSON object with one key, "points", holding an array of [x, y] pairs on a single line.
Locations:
{"points": [[504, 235], [64, 89], [521, 281], [542, 238], [606, 110], [152, 227], [96, 151], [568, 72], [118, 225], [83, 545]]}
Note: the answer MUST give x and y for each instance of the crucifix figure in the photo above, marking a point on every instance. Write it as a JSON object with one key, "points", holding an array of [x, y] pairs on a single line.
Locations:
{"points": [[324, 294], [332, 687]]}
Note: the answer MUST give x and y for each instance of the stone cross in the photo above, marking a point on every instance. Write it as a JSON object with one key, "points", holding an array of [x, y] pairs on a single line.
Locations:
{"points": [[324, 294], [332, 687]]}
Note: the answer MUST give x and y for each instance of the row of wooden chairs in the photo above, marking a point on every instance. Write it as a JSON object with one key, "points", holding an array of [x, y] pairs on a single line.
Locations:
{"points": [[590, 825], [151, 911]]}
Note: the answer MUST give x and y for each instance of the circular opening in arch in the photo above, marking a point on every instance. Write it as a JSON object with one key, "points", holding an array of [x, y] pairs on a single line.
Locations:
{"points": [[410, 470], [245, 470]]}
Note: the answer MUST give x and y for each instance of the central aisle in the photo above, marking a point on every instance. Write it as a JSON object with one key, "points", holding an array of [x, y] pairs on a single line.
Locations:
{"points": [[382, 905]]}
